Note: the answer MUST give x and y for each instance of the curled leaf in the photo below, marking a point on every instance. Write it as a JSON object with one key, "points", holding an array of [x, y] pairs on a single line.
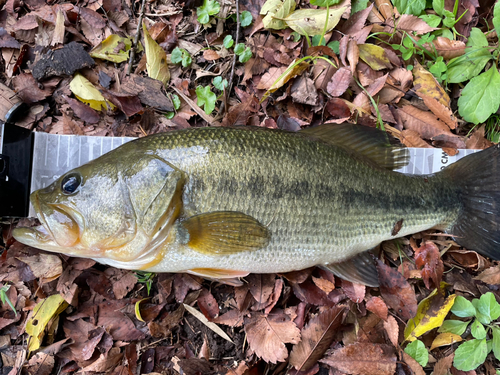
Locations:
{"points": [[87, 93], [114, 48]]}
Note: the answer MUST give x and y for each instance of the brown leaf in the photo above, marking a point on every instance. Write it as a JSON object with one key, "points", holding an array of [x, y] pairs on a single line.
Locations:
{"points": [[443, 366], [105, 362], [28, 89], [45, 266], [352, 55], [426, 84], [82, 110], [325, 285], [363, 358], [396, 291], [338, 109], [273, 300], [410, 24], [412, 364], [267, 335], [392, 329], [211, 55], [355, 292], [441, 111], [377, 306], [424, 123], [317, 336], [232, 318], [123, 281], [270, 78], [411, 138], [7, 41], [183, 283], [490, 276], [162, 328], [208, 305], [261, 286], [304, 91], [356, 22], [447, 48], [468, 259], [310, 293], [128, 104], [477, 140], [428, 259], [40, 364], [119, 325], [238, 114], [148, 90], [340, 82]]}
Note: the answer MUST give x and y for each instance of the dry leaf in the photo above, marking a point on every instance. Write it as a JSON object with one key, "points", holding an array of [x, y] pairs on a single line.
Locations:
{"points": [[428, 259], [340, 82], [392, 329], [317, 336], [490, 276], [45, 266], [377, 306], [375, 56], [156, 58]]}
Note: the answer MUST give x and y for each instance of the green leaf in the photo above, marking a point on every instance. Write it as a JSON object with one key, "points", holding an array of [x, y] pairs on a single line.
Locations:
{"points": [[176, 56], [176, 101], [431, 19], [275, 10], [335, 46], [449, 19], [170, 115], [358, 5], [220, 83], [496, 17], [324, 3], [488, 304], [5, 299], [239, 49], [482, 318], [496, 342], [470, 355], [245, 56], [477, 330], [209, 8], [438, 6], [407, 42], [463, 308], [414, 7], [453, 326], [206, 98], [470, 64], [186, 59], [418, 352], [228, 41], [246, 18], [316, 39], [407, 54]]}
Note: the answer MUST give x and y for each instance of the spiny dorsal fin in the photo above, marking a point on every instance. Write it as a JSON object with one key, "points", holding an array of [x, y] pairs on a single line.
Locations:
{"points": [[223, 232], [372, 143], [359, 269]]}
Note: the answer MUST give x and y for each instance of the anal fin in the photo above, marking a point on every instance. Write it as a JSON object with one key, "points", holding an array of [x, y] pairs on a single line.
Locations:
{"points": [[224, 276], [359, 269]]}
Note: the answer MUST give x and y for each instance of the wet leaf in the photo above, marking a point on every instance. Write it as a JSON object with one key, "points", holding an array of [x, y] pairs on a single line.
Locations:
{"points": [[363, 358], [267, 335], [312, 21], [375, 56], [430, 314], [114, 48], [88, 94], [44, 311], [317, 336], [156, 58]]}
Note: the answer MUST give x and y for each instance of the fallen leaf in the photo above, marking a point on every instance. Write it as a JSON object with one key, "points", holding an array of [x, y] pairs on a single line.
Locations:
{"points": [[83, 111], [443, 366], [363, 358], [375, 56], [45, 266], [210, 55], [415, 367], [428, 259], [312, 21], [490, 276], [447, 48], [27, 88], [275, 11], [304, 91], [411, 138], [208, 305], [355, 292], [317, 336], [156, 58], [430, 314], [352, 54], [477, 140], [214, 327], [88, 94], [114, 48], [445, 339], [8, 41], [392, 329], [396, 291], [423, 122], [340, 82], [267, 335], [338, 109], [123, 281], [40, 364], [44, 311], [377, 306], [325, 285], [413, 24]]}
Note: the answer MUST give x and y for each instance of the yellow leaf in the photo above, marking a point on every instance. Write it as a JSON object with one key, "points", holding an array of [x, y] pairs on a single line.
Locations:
{"points": [[156, 58], [312, 21], [444, 339], [114, 48], [138, 309], [431, 312], [425, 84], [275, 10], [45, 311], [87, 93], [292, 71], [374, 56]]}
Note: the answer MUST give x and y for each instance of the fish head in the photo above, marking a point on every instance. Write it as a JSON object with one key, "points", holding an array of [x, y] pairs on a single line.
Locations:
{"points": [[112, 209]]}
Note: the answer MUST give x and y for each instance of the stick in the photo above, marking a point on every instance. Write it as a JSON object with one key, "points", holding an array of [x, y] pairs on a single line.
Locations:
{"points": [[136, 40]]}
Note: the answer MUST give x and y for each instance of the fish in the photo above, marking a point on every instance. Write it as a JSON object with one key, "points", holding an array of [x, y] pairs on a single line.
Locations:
{"points": [[223, 202]]}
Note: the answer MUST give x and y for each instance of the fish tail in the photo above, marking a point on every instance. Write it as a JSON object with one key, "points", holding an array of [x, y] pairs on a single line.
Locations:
{"points": [[477, 178]]}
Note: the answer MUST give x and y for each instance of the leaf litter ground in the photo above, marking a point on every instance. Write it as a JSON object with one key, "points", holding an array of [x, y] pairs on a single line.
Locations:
{"points": [[193, 66]]}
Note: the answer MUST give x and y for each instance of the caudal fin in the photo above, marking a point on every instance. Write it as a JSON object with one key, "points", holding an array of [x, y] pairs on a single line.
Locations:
{"points": [[478, 179]]}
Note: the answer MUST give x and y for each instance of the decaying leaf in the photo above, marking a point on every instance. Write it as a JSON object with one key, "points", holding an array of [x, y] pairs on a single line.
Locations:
{"points": [[156, 58], [114, 48], [427, 258], [317, 336], [45, 266], [445, 339], [267, 335], [375, 56], [377, 306], [275, 11], [363, 358], [87, 93], [490, 275], [312, 21], [45, 311]]}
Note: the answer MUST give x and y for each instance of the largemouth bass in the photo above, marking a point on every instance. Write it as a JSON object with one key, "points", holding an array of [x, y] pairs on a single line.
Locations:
{"points": [[226, 202]]}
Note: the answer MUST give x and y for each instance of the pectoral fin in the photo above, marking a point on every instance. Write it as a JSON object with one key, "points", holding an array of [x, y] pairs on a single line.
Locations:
{"points": [[360, 269], [228, 277], [223, 233]]}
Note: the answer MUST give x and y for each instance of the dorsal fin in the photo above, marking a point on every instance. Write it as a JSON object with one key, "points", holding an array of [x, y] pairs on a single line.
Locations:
{"points": [[371, 143]]}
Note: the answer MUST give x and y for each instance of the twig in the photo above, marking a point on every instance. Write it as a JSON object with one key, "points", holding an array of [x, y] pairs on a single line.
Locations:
{"points": [[223, 107], [136, 40]]}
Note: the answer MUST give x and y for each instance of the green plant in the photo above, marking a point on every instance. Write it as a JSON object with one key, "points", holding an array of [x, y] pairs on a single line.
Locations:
{"points": [[5, 299], [209, 8], [181, 56], [246, 18], [438, 68], [177, 104], [244, 53], [228, 41], [418, 352], [145, 278], [206, 98], [484, 330], [220, 83], [410, 46]]}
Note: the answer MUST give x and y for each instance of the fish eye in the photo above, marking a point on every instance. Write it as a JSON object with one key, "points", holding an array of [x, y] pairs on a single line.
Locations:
{"points": [[70, 183]]}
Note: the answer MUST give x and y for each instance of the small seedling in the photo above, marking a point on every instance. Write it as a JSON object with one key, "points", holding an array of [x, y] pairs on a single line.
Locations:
{"points": [[206, 98], [209, 8], [145, 278], [5, 299], [246, 18], [177, 104], [181, 56], [244, 53], [220, 83], [228, 41]]}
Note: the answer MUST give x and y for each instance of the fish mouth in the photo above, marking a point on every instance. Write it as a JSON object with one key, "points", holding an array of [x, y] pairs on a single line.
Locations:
{"points": [[61, 227]]}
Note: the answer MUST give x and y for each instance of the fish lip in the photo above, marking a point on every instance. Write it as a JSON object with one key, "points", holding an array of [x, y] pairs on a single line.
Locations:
{"points": [[35, 201]]}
